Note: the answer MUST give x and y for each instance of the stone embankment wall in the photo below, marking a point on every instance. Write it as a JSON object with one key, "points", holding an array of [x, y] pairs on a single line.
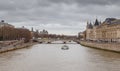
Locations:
{"points": [[105, 46], [14, 47]]}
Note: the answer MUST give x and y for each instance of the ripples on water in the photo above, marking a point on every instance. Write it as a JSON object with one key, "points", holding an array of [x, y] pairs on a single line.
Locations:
{"points": [[50, 57]]}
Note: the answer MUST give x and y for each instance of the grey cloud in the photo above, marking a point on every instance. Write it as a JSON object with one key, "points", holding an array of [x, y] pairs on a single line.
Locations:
{"points": [[57, 14], [84, 2]]}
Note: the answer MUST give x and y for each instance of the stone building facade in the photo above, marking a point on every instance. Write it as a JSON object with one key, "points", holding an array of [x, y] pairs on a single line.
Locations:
{"points": [[108, 31], [9, 32], [82, 35]]}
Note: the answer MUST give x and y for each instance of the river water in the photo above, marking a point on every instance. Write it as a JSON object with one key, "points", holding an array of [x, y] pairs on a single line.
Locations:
{"points": [[50, 57]]}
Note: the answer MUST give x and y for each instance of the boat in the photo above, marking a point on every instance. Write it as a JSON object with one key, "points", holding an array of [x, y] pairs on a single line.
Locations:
{"points": [[70, 41], [64, 42], [65, 47]]}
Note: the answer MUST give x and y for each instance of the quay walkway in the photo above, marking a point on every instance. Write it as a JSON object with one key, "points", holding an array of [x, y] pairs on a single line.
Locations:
{"points": [[13, 45]]}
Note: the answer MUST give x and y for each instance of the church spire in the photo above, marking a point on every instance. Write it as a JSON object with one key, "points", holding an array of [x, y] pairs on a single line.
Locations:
{"points": [[96, 22], [87, 24]]}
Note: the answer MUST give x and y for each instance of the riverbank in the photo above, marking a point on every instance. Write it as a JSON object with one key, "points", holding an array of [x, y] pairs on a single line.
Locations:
{"points": [[115, 47], [15, 47]]}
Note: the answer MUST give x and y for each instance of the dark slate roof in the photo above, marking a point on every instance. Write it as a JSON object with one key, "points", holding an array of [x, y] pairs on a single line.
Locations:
{"points": [[90, 26], [96, 23], [5, 24], [115, 21], [109, 20]]}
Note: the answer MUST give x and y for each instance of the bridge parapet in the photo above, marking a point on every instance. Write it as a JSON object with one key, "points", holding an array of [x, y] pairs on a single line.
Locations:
{"points": [[48, 41]]}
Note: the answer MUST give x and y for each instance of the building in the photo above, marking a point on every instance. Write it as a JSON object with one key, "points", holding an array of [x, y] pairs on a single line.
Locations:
{"points": [[3, 24], [108, 31], [9, 32], [44, 32], [23, 33], [82, 35], [6, 31]]}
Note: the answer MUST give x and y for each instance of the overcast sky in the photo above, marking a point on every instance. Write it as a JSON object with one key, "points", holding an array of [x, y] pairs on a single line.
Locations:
{"points": [[57, 16]]}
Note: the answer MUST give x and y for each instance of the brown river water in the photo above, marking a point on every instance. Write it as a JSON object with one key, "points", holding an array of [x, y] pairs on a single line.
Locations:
{"points": [[50, 57]]}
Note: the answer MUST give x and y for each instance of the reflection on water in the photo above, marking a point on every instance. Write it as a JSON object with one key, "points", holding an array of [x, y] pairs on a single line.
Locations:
{"points": [[50, 57]]}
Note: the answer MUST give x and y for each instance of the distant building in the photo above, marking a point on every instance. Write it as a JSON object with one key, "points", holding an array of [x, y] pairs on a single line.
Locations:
{"points": [[44, 32], [32, 33], [108, 31], [82, 35]]}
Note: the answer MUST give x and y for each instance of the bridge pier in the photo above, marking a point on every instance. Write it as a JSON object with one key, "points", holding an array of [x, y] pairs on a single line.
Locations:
{"points": [[49, 42], [40, 42]]}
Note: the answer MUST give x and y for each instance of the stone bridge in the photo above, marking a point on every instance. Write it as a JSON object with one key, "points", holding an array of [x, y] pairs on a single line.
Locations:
{"points": [[55, 41]]}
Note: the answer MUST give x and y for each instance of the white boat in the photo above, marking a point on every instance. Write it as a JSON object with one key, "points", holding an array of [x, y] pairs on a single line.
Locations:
{"points": [[65, 47]]}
